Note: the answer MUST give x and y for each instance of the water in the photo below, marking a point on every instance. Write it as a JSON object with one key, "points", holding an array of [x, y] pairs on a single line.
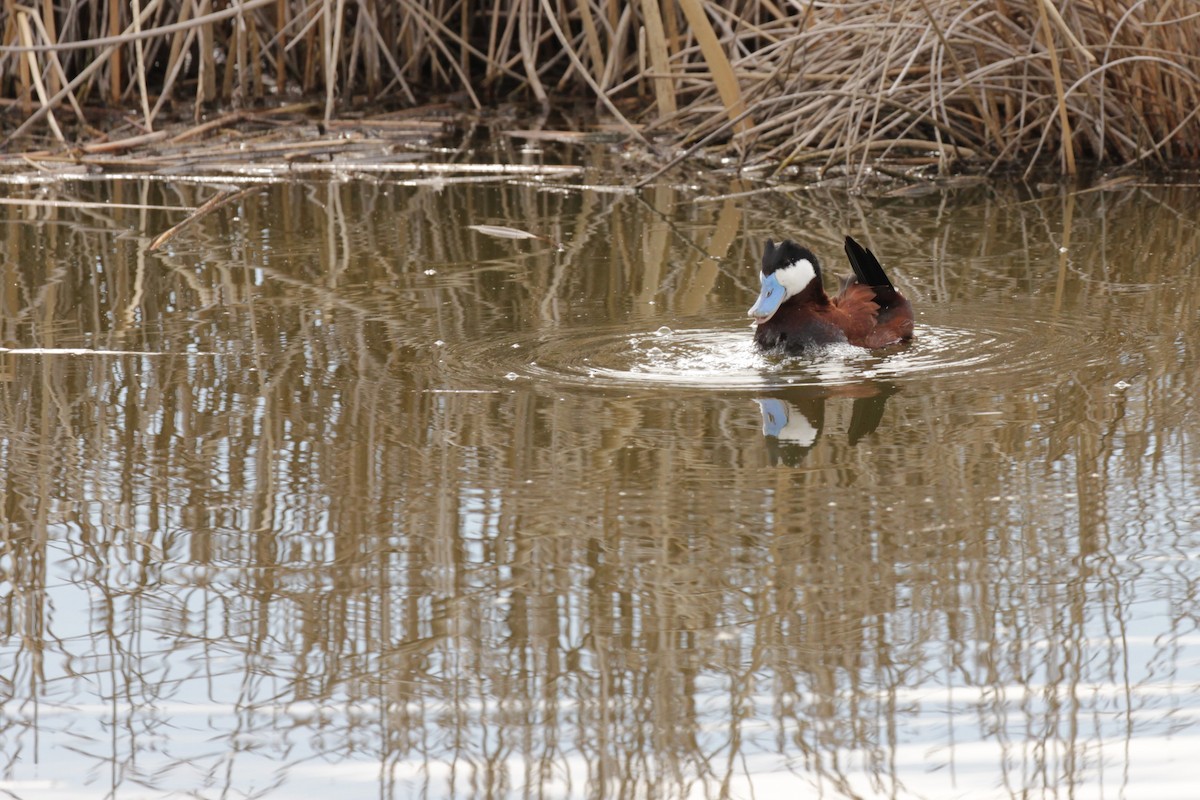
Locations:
{"points": [[335, 493]]}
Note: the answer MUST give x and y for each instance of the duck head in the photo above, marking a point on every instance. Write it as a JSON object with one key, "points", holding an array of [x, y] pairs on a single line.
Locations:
{"points": [[787, 270]]}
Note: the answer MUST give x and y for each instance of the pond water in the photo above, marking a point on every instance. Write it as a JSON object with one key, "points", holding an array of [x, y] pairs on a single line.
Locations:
{"points": [[334, 493]]}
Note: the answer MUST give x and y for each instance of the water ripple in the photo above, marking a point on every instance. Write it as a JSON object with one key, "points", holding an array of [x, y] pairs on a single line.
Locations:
{"points": [[724, 356]]}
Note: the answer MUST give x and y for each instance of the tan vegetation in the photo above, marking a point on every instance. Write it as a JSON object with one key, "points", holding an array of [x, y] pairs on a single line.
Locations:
{"points": [[850, 82]]}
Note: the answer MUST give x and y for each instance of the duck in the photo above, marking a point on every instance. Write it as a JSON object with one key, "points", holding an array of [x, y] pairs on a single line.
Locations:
{"points": [[793, 313]]}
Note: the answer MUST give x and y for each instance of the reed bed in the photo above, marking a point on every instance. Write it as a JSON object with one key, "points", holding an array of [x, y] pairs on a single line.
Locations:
{"points": [[856, 83]]}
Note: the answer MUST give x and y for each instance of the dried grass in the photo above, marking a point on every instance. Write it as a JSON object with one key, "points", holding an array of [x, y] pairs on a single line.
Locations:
{"points": [[849, 82]]}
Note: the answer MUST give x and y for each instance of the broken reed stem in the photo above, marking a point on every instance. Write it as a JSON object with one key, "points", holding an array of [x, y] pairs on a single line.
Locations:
{"points": [[1064, 119], [333, 48], [36, 75], [141, 64], [114, 67], [48, 27], [1010, 80], [660, 59], [718, 64], [58, 76]]}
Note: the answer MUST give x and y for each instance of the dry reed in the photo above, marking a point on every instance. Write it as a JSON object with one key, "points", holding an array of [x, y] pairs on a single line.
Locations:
{"points": [[850, 82]]}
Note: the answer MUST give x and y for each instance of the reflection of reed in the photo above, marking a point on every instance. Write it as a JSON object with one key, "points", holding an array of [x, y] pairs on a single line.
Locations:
{"points": [[509, 581]]}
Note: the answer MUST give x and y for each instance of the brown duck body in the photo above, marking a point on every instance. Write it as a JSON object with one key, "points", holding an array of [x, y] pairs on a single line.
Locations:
{"points": [[868, 311]]}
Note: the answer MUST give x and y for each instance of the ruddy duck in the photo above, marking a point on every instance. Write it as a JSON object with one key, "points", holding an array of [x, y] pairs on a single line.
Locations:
{"points": [[793, 312]]}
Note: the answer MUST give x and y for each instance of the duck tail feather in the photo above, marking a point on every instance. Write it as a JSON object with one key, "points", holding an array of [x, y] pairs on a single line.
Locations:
{"points": [[866, 266], [869, 272]]}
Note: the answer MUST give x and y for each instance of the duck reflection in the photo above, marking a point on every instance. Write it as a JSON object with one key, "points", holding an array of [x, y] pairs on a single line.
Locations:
{"points": [[792, 423]]}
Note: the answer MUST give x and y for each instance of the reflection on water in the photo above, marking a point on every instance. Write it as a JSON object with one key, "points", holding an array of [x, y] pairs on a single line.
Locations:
{"points": [[793, 423], [334, 491]]}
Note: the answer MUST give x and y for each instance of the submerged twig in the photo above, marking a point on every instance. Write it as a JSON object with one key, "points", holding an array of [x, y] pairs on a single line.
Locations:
{"points": [[224, 198]]}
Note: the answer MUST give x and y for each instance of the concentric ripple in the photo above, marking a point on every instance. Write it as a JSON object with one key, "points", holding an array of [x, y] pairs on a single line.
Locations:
{"points": [[724, 356]]}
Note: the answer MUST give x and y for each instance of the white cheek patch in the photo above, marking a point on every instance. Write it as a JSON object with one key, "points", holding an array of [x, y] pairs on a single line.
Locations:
{"points": [[796, 276]]}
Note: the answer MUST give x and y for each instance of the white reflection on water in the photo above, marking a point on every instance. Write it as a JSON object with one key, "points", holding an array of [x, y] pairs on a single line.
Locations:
{"points": [[1116, 737]]}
